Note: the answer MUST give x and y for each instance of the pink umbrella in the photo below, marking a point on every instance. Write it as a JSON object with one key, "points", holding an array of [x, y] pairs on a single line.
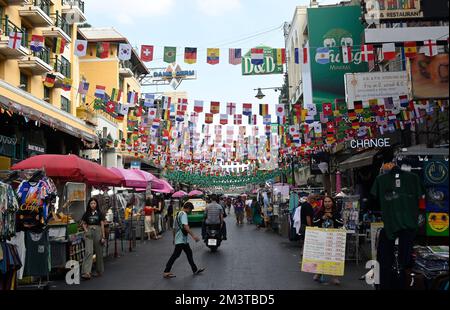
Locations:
{"points": [[161, 186], [179, 194], [131, 178], [195, 193]]}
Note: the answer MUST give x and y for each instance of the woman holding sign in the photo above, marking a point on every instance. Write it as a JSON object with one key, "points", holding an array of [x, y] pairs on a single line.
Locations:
{"points": [[328, 217]]}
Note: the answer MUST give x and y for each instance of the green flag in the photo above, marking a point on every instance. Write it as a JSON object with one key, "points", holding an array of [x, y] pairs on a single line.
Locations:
{"points": [[170, 54]]}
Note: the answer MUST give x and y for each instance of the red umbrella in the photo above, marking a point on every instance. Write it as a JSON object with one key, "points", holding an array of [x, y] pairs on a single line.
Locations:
{"points": [[71, 168]]}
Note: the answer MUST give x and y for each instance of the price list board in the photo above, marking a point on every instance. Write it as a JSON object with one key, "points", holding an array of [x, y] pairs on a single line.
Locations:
{"points": [[324, 251]]}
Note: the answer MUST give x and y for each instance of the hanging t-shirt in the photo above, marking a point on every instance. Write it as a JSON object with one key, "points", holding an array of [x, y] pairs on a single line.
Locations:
{"points": [[398, 193], [38, 254], [31, 204]]}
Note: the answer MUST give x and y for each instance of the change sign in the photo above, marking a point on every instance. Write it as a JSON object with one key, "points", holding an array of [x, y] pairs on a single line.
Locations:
{"points": [[268, 67]]}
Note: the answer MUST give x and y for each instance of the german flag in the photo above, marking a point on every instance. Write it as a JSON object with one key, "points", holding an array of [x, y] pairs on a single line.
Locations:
{"points": [[190, 55], [50, 80], [263, 109]]}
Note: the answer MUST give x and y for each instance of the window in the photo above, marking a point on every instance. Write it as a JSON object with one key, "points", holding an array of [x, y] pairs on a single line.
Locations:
{"points": [[47, 94], [65, 104], [24, 82]]}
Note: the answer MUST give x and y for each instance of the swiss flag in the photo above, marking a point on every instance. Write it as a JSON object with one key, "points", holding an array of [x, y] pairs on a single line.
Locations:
{"points": [[330, 127], [381, 111], [327, 109], [147, 53], [110, 107]]}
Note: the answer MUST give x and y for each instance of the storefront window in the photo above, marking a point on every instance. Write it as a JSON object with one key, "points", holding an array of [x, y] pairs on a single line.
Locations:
{"points": [[65, 104]]}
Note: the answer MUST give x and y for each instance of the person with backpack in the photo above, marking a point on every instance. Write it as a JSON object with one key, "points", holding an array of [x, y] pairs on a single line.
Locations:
{"points": [[180, 234]]}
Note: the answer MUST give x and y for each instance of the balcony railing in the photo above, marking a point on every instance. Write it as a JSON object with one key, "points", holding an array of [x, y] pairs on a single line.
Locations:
{"points": [[62, 23], [44, 55], [62, 66], [78, 3], [44, 5], [8, 27]]}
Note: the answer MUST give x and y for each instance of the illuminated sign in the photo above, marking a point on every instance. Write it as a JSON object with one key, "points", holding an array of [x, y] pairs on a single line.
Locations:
{"points": [[368, 143]]}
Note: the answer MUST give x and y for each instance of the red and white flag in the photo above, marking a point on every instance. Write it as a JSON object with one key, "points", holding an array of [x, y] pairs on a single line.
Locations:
{"points": [[198, 106], [15, 40], [81, 48], [347, 54], [224, 119], [430, 48], [147, 53], [280, 110], [238, 119], [367, 53], [152, 113], [389, 52], [231, 108]]}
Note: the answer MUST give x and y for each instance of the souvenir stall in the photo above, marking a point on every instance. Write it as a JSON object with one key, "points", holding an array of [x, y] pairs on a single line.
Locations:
{"points": [[74, 178], [419, 225], [29, 233], [11, 257]]}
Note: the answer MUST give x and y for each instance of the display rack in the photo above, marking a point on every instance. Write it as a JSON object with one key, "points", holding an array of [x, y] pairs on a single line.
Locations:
{"points": [[350, 215]]}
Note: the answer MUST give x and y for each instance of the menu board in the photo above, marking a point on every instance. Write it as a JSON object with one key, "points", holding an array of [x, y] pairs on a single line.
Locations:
{"points": [[324, 251]]}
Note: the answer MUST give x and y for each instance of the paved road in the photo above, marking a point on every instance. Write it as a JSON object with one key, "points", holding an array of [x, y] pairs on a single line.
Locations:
{"points": [[251, 259]]}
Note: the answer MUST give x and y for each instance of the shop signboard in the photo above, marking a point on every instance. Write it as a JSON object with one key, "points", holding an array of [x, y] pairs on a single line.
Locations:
{"points": [[393, 9], [135, 165], [268, 67], [367, 86], [430, 76], [328, 34], [324, 251], [36, 149]]}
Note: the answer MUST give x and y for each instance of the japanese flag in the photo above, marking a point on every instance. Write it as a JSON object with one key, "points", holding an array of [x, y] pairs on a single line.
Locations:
{"points": [[80, 48]]}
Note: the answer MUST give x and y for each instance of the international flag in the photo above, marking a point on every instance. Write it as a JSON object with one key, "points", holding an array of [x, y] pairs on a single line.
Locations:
{"points": [[267, 119], [280, 110], [410, 49], [263, 109], [149, 100], [209, 118], [83, 88], [305, 55], [323, 55], [257, 56], [116, 95], [380, 111], [358, 106], [279, 55], [231, 108], [133, 97], [111, 107], [80, 48], [103, 50], [367, 53], [190, 55], [235, 56], [37, 43], [404, 102], [15, 40], [59, 45], [330, 127], [253, 120], [430, 48], [50, 80], [223, 119], [247, 109], [327, 109], [147, 53], [100, 92], [156, 123], [215, 107], [66, 84], [297, 56], [124, 52], [170, 54], [152, 113], [347, 54], [198, 106], [238, 119], [389, 103], [213, 56], [389, 52]]}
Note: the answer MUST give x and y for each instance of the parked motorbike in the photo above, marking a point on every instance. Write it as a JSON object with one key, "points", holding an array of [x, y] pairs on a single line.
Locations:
{"points": [[213, 237]]}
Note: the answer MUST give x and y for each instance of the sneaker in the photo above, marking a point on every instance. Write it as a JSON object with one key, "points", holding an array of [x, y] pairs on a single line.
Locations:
{"points": [[199, 271]]}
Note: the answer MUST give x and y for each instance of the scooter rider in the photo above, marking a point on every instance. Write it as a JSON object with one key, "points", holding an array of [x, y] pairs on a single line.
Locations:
{"points": [[214, 215]]}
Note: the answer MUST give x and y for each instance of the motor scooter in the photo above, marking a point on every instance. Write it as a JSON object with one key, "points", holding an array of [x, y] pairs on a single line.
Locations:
{"points": [[213, 237]]}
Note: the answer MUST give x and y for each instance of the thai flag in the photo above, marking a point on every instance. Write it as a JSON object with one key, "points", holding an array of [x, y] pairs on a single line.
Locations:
{"points": [[257, 56]]}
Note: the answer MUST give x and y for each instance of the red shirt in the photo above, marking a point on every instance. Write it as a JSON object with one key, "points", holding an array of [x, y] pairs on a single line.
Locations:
{"points": [[148, 211]]}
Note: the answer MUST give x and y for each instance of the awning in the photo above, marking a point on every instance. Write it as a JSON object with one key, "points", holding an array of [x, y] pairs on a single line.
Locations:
{"points": [[422, 150], [359, 160]]}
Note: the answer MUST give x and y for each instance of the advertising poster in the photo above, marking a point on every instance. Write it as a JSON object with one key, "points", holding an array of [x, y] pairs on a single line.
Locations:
{"points": [[324, 251], [328, 34], [430, 76]]}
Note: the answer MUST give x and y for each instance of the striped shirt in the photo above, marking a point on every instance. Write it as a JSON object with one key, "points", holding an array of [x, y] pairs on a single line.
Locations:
{"points": [[213, 212]]}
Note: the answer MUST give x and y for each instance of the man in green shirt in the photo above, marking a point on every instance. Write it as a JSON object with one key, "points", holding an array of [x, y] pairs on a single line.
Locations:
{"points": [[181, 232]]}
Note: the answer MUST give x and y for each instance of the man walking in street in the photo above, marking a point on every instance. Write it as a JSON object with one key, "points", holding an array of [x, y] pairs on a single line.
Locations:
{"points": [[180, 234]]}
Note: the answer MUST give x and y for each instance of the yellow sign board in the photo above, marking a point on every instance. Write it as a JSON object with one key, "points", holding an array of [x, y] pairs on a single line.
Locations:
{"points": [[324, 251]]}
